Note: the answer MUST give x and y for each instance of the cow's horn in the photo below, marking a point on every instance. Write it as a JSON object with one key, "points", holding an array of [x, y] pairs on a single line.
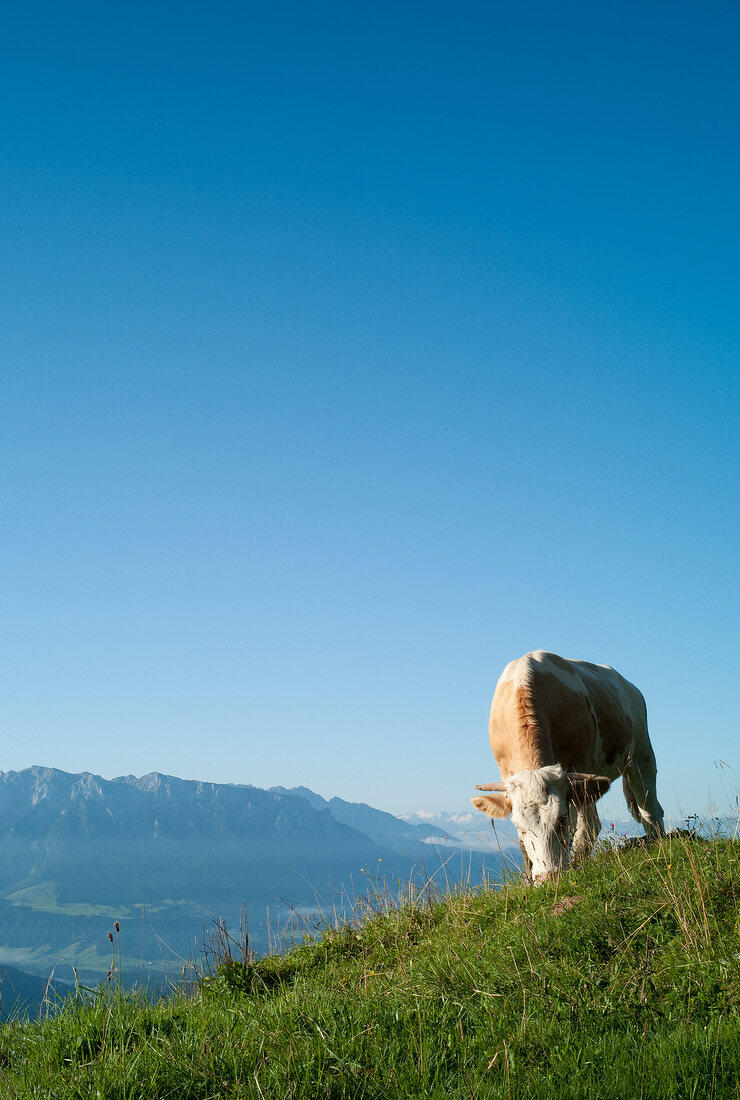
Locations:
{"points": [[490, 786]]}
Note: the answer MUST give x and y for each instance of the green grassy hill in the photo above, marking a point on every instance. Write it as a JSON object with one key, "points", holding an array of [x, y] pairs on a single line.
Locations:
{"points": [[619, 980]]}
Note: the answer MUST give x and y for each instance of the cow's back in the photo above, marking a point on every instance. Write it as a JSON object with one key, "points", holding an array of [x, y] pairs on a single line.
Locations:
{"points": [[547, 710]]}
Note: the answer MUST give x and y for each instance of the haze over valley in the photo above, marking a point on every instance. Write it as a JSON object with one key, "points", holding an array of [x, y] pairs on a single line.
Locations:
{"points": [[166, 858]]}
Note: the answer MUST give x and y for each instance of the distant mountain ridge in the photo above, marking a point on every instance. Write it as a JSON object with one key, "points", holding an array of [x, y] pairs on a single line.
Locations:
{"points": [[380, 826], [469, 828], [166, 857]]}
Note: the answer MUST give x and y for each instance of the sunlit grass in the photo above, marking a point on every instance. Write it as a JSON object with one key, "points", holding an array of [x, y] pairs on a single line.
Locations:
{"points": [[620, 980]]}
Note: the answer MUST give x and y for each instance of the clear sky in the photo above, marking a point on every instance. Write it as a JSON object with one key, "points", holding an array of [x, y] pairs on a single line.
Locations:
{"points": [[349, 352]]}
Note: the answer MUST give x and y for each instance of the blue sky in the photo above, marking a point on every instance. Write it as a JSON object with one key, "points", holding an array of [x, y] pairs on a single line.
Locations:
{"points": [[350, 353]]}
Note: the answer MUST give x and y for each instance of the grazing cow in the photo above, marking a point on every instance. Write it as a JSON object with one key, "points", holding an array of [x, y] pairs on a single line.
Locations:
{"points": [[561, 731]]}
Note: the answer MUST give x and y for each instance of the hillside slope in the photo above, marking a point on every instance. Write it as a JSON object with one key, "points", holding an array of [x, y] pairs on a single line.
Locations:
{"points": [[620, 980]]}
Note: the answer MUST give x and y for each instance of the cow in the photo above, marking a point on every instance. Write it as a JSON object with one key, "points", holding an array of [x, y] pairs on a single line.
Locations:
{"points": [[561, 731]]}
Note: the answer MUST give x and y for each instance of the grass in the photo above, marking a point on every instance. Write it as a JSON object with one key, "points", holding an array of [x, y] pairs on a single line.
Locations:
{"points": [[620, 980]]}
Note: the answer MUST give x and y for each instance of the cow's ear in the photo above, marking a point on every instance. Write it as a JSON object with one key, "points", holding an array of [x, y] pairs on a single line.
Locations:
{"points": [[586, 788], [497, 805]]}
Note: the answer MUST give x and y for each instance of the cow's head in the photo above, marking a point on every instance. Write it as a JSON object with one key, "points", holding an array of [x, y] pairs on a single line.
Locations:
{"points": [[542, 806]]}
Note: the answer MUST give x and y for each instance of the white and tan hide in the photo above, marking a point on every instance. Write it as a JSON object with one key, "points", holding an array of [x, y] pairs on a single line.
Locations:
{"points": [[561, 731]]}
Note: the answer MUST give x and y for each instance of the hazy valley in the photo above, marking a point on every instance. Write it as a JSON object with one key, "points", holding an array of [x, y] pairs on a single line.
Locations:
{"points": [[167, 857]]}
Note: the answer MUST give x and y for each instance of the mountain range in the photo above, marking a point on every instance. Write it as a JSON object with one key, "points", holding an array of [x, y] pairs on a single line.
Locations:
{"points": [[166, 858]]}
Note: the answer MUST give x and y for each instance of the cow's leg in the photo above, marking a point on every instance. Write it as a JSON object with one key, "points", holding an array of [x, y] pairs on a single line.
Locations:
{"points": [[638, 781], [587, 831]]}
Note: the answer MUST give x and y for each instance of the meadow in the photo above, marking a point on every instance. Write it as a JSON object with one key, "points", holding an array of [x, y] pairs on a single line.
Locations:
{"points": [[618, 980]]}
